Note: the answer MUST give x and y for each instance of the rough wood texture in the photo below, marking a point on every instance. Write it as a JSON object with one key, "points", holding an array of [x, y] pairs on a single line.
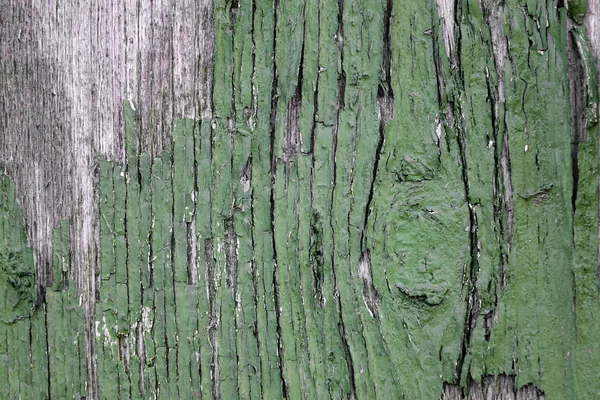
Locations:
{"points": [[592, 25], [299, 199], [501, 387]]}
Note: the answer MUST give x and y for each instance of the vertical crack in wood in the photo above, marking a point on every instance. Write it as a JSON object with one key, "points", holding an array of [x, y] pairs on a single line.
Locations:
{"points": [[592, 27], [473, 303], [385, 109], [577, 108], [340, 106], [47, 345], [272, 174], [493, 12], [212, 320], [494, 16], [385, 112]]}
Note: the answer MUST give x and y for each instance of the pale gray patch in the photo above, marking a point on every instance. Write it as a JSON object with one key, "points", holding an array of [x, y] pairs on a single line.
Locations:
{"points": [[446, 13]]}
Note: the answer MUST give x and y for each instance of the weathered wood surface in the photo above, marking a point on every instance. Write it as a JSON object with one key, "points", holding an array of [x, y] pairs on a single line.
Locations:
{"points": [[301, 199]]}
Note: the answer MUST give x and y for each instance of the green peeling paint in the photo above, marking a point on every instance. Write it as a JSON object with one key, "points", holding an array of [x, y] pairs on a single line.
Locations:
{"points": [[585, 224], [39, 338], [17, 271], [364, 216]]}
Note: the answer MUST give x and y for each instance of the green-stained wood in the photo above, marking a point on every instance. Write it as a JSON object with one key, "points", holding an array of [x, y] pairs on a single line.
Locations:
{"points": [[17, 271], [585, 223], [577, 10], [367, 211]]}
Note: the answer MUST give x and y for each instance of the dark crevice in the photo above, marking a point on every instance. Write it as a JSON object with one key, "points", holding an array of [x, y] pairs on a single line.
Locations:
{"points": [[152, 361], [120, 337], [314, 121], [385, 108], [387, 48], [472, 306], [301, 64], [154, 334], [209, 272], [150, 247], [232, 268], [341, 104], [123, 354], [347, 354], [30, 334], [164, 336], [503, 204], [515, 359], [315, 256], [385, 103], [233, 6], [272, 173], [45, 306], [471, 274], [277, 308], [315, 102], [315, 246], [497, 188], [192, 240], [253, 77], [272, 126], [341, 83], [248, 174], [576, 79], [212, 319], [577, 110], [525, 86], [140, 348], [173, 280]]}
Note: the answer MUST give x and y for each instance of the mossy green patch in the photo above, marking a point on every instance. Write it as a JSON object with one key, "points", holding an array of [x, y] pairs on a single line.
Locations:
{"points": [[18, 281], [577, 10], [17, 271]]}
